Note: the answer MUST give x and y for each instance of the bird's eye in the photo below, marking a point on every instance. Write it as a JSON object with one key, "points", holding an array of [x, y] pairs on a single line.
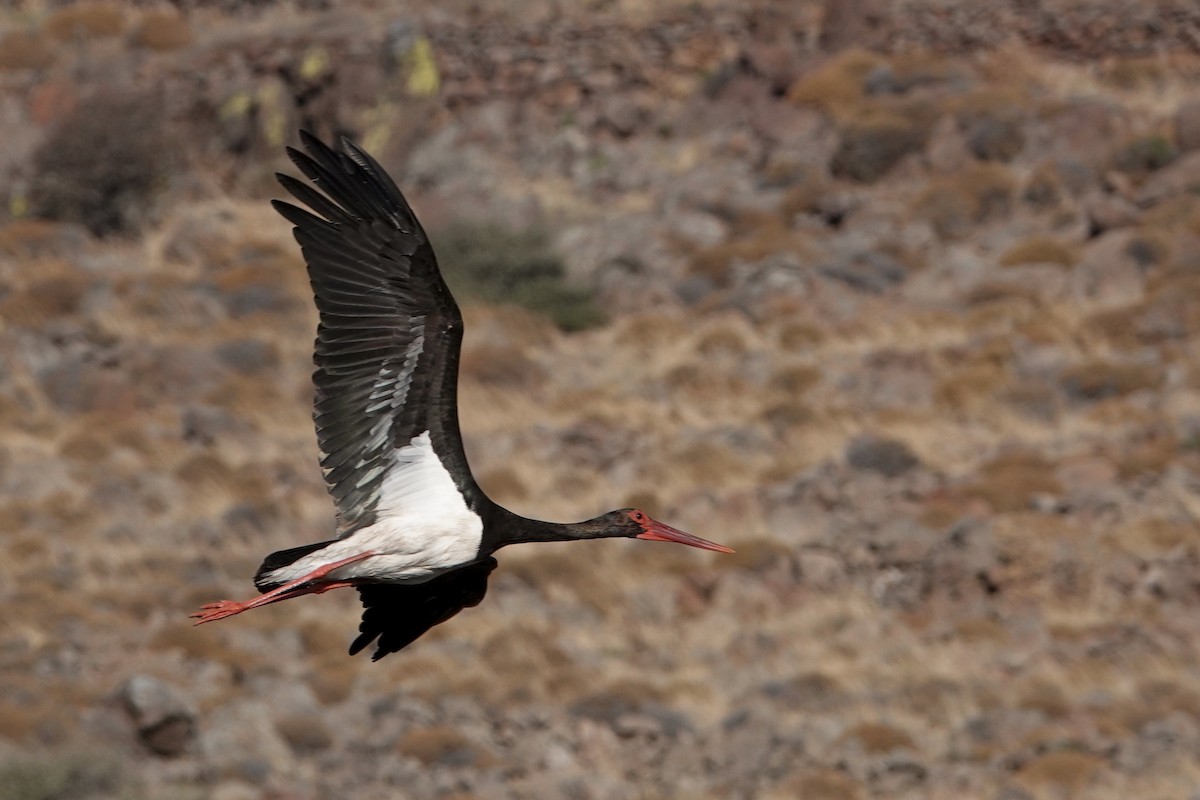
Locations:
{"points": [[638, 516]]}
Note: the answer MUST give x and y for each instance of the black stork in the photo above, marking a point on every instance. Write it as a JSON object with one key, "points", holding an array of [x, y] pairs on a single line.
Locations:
{"points": [[415, 533]]}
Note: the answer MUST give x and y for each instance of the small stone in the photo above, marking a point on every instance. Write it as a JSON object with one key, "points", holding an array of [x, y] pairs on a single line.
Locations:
{"points": [[868, 272], [888, 457], [164, 723]]}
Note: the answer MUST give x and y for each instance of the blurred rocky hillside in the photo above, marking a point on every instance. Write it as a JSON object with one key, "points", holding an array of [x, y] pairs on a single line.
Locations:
{"points": [[900, 298]]}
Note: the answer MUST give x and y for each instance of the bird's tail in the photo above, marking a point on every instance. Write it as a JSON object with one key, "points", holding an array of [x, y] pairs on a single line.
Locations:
{"points": [[282, 558]]}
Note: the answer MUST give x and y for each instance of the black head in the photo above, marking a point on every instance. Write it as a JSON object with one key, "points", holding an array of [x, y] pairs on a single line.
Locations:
{"points": [[634, 523]]}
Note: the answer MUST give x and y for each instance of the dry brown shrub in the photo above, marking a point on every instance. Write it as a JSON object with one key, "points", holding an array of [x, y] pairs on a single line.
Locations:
{"points": [[784, 417], [980, 629], [1133, 72], [799, 336], [1100, 379], [84, 21], [826, 784], [46, 300], [1040, 250], [1148, 455], [872, 143], [1008, 293], [104, 164], [795, 379], [878, 738], [1045, 696], [1179, 212], [1034, 399], [21, 722], [34, 238], [1043, 190], [1151, 536], [955, 203], [162, 29], [1066, 771], [1009, 482], [836, 87], [987, 100], [444, 745], [503, 366], [1155, 699], [808, 188], [722, 341], [753, 245], [967, 387], [25, 50]]}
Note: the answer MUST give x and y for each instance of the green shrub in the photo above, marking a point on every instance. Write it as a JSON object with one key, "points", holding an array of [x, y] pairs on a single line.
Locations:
{"points": [[103, 165], [517, 267], [1145, 154]]}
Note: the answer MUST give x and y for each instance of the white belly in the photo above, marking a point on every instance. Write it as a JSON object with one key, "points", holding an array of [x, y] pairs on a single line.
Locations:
{"points": [[422, 526]]}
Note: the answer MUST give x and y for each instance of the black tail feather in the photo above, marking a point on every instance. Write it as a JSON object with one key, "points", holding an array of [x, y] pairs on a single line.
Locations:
{"points": [[282, 558]]}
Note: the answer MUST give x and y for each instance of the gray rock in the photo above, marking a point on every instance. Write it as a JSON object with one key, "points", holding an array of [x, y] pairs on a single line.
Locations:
{"points": [[996, 139], [868, 272], [165, 724], [888, 457]]}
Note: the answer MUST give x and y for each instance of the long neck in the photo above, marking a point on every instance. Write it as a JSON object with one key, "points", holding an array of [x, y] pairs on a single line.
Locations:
{"points": [[504, 527]]}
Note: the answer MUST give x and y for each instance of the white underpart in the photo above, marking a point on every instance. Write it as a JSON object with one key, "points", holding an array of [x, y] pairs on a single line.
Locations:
{"points": [[422, 526]]}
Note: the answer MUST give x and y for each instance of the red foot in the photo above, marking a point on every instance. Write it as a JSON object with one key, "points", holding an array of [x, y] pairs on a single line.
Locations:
{"points": [[311, 583], [210, 612]]}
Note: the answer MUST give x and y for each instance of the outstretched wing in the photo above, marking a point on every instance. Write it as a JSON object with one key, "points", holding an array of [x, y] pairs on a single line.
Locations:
{"points": [[389, 336], [398, 614]]}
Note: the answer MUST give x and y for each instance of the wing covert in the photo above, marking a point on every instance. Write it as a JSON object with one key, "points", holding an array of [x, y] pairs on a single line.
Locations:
{"points": [[388, 340]]}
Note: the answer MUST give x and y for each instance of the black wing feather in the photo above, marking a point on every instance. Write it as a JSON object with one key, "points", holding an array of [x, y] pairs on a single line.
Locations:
{"points": [[398, 614], [388, 341]]}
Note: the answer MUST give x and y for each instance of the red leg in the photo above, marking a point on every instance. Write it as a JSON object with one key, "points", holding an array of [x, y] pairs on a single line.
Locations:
{"points": [[308, 584]]}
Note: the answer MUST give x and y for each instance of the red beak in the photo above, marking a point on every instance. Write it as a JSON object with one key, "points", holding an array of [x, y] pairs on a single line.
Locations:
{"points": [[657, 532]]}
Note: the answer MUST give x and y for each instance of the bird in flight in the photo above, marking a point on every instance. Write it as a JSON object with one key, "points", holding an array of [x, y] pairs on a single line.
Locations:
{"points": [[415, 534]]}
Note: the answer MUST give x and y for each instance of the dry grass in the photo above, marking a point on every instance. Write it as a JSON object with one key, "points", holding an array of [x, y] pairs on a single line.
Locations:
{"points": [[86, 21], [1040, 250], [879, 738], [1062, 772], [47, 299], [955, 204], [836, 87], [873, 143], [25, 50], [1100, 379], [749, 244], [163, 30], [1008, 482], [819, 785]]}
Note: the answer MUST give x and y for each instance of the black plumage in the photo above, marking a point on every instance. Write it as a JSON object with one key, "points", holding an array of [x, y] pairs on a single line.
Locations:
{"points": [[389, 334], [397, 614]]}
